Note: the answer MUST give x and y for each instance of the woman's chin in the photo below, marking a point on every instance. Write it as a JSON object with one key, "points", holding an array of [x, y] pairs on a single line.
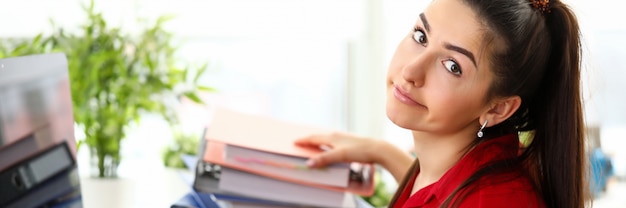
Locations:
{"points": [[401, 119]]}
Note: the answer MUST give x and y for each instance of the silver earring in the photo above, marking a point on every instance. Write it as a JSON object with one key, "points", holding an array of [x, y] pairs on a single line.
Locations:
{"points": [[480, 131]]}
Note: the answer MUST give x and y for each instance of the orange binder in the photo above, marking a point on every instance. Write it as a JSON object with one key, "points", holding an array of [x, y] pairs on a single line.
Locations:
{"points": [[229, 127]]}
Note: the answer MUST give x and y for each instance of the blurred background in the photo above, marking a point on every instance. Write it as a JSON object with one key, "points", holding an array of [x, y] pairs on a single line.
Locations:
{"points": [[322, 63]]}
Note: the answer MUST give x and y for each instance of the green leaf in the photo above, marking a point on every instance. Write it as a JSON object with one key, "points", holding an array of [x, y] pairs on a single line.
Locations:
{"points": [[37, 39], [164, 18], [193, 97], [205, 88], [78, 144], [200, 72]]}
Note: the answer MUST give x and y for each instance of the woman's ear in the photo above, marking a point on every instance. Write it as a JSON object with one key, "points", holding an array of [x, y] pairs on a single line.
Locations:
{"points": [[500, 110]]}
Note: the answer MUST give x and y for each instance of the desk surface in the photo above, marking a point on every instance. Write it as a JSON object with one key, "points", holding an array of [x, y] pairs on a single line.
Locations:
{"points": [[156, 189]]}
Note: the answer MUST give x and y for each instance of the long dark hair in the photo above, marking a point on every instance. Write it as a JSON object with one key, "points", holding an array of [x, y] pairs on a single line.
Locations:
{"points": [[536, 55]]}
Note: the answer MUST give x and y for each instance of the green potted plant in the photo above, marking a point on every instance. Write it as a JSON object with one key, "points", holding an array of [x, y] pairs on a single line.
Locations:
{"points": [[115, 78], [184, 143]]}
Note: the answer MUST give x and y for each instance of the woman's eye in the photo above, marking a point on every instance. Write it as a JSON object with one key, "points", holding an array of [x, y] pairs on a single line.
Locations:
{"points": [[419, 36], [452, 66]]}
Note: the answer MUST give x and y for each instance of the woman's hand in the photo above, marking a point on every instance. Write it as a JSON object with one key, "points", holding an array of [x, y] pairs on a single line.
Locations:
{"points": [[344, 147], [340, 147]]}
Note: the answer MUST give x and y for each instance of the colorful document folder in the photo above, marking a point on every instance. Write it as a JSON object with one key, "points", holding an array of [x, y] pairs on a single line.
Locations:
{"points": [[265, 146]]}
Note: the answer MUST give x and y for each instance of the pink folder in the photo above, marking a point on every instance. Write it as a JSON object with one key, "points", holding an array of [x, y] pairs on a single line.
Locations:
{"points": [[229, 127]]}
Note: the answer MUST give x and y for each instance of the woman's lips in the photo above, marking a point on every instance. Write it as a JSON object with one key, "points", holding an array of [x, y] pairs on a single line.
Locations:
{"points": [[403, 97]]}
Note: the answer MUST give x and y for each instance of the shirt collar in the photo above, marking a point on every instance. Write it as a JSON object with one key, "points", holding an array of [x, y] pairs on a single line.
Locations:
{"points": [[485, 152]]}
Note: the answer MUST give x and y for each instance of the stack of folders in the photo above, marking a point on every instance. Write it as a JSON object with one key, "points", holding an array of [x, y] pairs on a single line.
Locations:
{"points": [[32, 175], [251, 161]]}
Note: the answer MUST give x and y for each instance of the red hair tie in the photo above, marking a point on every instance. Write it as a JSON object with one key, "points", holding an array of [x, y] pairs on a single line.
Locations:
{"points": [[542, 6]]}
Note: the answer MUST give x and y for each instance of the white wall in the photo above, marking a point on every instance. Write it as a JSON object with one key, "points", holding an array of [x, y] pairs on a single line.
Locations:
{"points": [[287, 58]]}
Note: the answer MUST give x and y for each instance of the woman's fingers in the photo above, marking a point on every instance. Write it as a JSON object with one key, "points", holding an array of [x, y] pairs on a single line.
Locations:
{"points": [[326, 158], [338, 147], [313, 140]]}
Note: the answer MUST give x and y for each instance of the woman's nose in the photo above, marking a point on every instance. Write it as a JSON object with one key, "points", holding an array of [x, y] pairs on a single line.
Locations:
{"points": [[417, 67]]}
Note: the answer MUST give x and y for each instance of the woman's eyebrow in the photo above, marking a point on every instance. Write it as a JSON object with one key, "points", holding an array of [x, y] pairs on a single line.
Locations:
{"points": [[463, 51], [449, 46], [425, 22]]}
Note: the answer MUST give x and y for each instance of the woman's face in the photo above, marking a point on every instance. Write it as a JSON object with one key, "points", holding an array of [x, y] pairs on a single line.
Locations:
{"points": [[438, 77]]}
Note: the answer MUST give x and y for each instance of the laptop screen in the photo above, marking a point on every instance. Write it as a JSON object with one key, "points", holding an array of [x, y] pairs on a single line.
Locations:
{"points": [[37, 145]]}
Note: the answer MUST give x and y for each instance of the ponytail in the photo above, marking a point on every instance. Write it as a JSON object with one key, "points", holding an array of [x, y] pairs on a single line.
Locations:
{"points": [[556, 154]]}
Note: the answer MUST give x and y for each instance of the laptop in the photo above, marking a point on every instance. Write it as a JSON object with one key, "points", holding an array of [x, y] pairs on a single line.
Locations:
{"points": [[37, 145]]}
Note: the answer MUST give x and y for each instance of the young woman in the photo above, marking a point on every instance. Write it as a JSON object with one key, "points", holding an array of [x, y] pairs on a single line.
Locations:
{"points": [[469, 76]]}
